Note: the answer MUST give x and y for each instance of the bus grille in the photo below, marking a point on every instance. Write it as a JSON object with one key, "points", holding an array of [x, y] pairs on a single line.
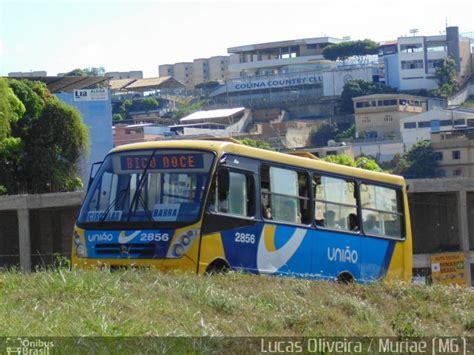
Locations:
{"points": [[125, 249]]}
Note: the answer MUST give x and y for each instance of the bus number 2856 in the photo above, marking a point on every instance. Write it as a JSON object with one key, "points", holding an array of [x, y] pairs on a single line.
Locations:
{"points": [[245, 238]]}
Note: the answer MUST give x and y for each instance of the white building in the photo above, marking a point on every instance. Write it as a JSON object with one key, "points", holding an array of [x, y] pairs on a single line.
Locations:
{"points": [[280, 57], [410, 62], [420, 127]]}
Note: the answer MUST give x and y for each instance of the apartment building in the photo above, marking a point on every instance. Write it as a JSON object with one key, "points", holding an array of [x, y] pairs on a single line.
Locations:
{"points": [[198, 71], [378, 116], [280, 57], [410, 62], [455, 152]]}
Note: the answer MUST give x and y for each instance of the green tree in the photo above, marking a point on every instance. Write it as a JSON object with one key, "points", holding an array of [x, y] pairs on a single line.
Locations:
{"points": [[341, 159], [348, 134], [59, 138], [367, 164], [147, 104], [357, 50], [446, 78], [188, 109], [47, 137], [358, 87], [99, 71], [319, 136], [5, 110], [256, 143], [361, 162], [117, 117], [419, 162], [33, 98]]}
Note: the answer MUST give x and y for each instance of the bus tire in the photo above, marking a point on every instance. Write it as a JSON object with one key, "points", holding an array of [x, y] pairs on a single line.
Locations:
{"points": [[345, 278], [218, 266]]}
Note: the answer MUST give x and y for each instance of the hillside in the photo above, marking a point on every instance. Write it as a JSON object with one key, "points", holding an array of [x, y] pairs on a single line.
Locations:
{"points": [[140, 302]]}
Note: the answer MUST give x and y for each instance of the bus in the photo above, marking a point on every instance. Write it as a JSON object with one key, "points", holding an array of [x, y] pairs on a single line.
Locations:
{"points": [[207, 206]]}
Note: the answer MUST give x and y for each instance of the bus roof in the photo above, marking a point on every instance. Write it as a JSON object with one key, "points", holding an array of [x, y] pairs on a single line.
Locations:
{"points": [[222, 146]]}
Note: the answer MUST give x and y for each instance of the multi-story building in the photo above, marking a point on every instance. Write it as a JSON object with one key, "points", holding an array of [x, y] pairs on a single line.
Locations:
{"points": [[117, 75], [27, 74], [198, 71], [455, 152], [419, 127], [378, 116], [278, 57], [165, 70], [410, 62], [218, 67], [183, 72]]}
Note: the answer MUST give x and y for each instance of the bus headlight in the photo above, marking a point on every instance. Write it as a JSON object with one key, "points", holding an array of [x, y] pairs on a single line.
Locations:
{"points": [[178, 250], [182, 244], [80, 248]]}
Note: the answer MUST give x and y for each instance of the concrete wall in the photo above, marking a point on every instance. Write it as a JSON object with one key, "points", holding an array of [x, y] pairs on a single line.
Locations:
{"points": [[35, 228]]}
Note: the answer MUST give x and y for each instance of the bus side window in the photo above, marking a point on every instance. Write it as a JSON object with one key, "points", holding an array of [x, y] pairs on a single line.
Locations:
{"points": [[335, 203], [285, 195], [382, 211], [233, 193]]}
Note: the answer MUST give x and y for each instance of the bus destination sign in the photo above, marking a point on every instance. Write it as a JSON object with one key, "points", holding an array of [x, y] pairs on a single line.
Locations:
{"points": [[162, 162]]}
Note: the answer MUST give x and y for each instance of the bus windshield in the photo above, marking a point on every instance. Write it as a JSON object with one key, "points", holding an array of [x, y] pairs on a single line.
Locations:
{"points": [[141, 188]]}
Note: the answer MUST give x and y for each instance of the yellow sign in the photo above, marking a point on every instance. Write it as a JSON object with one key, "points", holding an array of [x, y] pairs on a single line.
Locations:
{"points": [[448, 269]]}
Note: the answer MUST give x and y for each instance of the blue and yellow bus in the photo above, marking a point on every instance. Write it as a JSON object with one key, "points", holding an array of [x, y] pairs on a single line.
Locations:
{"points": [[207, 206]]}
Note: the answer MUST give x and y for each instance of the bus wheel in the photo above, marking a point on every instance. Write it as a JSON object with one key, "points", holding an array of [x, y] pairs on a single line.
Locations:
{"points": [[218, 266], [345, 278]]}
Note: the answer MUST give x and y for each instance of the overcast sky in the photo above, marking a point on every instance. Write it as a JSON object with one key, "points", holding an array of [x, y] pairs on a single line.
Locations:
{"points": [[60, 35]]}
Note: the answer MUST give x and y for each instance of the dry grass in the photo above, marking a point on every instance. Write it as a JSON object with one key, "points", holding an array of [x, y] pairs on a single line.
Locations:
{"points": [[140, 303]]}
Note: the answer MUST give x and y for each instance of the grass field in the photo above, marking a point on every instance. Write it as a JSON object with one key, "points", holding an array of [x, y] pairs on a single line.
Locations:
{"points": [[140, 302]]}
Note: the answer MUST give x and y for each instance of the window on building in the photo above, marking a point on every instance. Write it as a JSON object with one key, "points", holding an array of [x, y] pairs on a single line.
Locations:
{"points": [[335, 203], [438, 156], [445, 123], [285, 195], [457, 172], [459, 122], [361, 104], [412, 64], [434, 63], [424, 124], [389, 102], [456, 154], [409, 125], [436, 47], [411, 48]]}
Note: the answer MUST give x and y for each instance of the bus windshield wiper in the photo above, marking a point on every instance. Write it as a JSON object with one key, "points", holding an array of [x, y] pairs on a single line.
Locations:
{"points": [[137, 193], [116, 202]]}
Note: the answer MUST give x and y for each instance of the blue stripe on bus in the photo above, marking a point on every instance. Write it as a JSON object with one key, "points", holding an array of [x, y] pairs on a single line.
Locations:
{"points": [[318, 254]]}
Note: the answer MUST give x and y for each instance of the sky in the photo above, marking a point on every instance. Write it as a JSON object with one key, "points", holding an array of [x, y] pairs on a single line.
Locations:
{"points": [[60, 35]]}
